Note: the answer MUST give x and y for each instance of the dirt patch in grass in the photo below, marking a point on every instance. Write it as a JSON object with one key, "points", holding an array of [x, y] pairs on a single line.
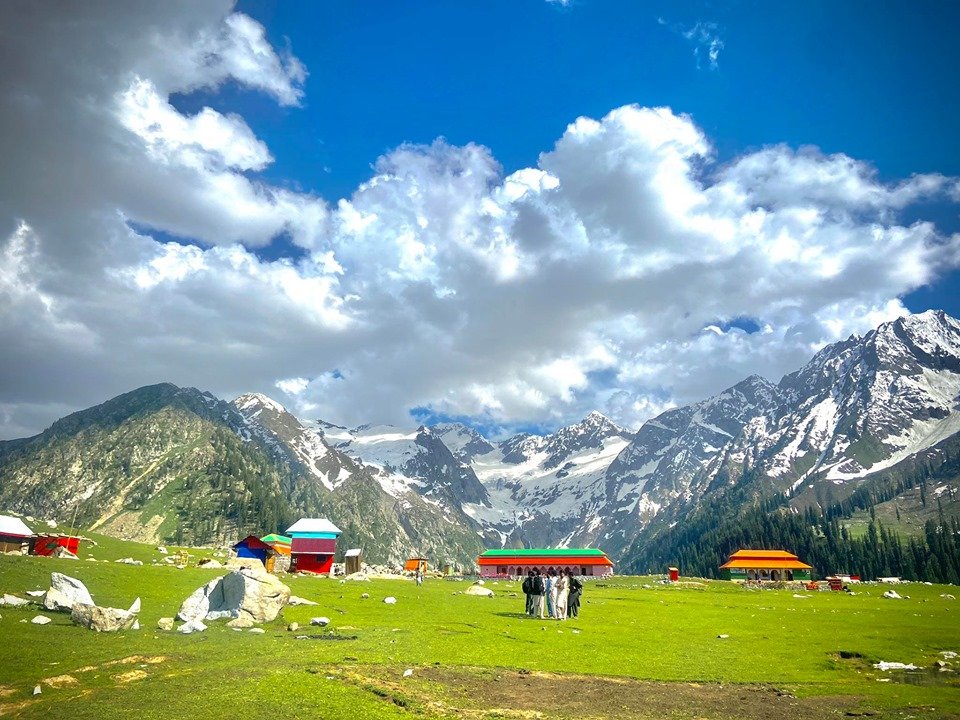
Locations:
{"points": [[485, 693], [128, 677], [60, 681]]}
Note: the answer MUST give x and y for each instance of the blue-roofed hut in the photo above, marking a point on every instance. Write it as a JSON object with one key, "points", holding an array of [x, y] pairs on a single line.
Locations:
{"points": [[255, 548]]}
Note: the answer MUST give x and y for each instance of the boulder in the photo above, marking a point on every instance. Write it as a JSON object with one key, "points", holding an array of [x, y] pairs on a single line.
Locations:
{"points": [[102, 619], [65, 592], [13, 600], [165, 623], [478, 591], [41, 620], [321, 621], [248, 592], [893, 595]]}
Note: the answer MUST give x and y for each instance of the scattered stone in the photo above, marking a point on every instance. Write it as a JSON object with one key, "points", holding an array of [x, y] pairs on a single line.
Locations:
{"points": [[36, 690], [221, 614], [884, 666], [948, 654], [257, 631], [135, 607], [893, 595], [293, 627], [408, 672], [209, 563], [63, 553], [136, 625], [294, 600], [165, 623], [129, 561], [479, 591], [102, 619], [161, 549], [365, 595], [51, 523], [41, 620], [947, 596], [801, 597], [191, 626], [321, 621], [35, 593], [723, 636], [241, 623], [14, 601], [390, 600], [250, 593]]}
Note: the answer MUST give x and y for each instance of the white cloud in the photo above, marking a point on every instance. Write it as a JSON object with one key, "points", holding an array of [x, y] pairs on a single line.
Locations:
{"points": [[604, 278]]}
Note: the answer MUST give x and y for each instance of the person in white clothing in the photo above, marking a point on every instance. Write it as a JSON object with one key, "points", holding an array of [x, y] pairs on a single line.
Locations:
{"points": [[562, 588]]}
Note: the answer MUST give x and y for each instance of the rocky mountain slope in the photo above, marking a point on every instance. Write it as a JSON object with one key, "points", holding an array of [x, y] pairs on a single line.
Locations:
{"points": [[864, 426]]}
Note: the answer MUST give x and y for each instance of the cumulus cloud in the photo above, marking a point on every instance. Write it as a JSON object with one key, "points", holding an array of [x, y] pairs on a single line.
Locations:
{"points": [[613, 275]]}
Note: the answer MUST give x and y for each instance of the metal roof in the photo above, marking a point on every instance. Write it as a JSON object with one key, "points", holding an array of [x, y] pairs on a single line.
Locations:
{"points": [[353, 552], [544, 552], [14, 526], [305, 525], [761, 564]]}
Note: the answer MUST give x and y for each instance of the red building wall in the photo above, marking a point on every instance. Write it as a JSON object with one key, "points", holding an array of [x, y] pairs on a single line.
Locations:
{"points": [[312, 563]]}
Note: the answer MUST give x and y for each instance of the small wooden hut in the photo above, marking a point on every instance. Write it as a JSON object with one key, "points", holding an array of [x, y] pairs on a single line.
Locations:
{"points": [[416, 564], [15, 536], [352, 559]]}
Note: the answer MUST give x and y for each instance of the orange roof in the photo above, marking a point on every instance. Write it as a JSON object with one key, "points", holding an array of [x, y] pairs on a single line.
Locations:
{"points": [[761, 564], [768, 554]]}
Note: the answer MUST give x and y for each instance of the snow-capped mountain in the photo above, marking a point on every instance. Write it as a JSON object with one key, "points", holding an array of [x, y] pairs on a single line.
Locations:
{"points": [[884, 404]]}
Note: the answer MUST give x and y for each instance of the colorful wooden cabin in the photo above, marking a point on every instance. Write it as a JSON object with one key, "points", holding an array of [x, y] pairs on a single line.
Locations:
{"points": [[313, 543], [509, 563], [765, 565], [47, 545], [415, 564], [280, 543], [254, 548], [15, 536]]}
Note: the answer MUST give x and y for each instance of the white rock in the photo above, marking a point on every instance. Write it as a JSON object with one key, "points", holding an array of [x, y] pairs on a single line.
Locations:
{"points": [[65, 592], [41, 620], [321, 621], [294, 600], [134, 607], [36, 690], [390, 600], [14, 601], [894, 666], [129, 561], [191, 626], [801, 597], [257, 631], [136, 625], [36, 593], [893, 595], [161, 549], [724, 636], [408, 672], [165, 623], [478, 591]]}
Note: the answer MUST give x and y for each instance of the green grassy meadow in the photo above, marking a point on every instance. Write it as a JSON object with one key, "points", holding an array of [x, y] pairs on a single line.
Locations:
{"points": [[463, 648]]}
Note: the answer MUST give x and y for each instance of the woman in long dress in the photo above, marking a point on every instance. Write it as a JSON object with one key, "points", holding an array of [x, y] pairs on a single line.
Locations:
{"points": [[560, 604]]}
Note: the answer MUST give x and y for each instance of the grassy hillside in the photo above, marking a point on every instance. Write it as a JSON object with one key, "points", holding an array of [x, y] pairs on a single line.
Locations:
{"points": [[641, 649]]}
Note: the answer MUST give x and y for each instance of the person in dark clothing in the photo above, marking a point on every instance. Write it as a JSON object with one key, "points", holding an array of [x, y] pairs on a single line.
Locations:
{"points": [[576, 590], [527, 588], [537, 594]]}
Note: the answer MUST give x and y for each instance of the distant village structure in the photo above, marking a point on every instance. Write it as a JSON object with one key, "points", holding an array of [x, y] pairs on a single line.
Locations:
{"points": [[313, 543], [512, 562], [15, 536], [765, 565]]}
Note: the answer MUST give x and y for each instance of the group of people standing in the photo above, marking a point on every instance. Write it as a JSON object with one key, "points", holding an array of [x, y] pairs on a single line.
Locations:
{"points": [[553, 594]]}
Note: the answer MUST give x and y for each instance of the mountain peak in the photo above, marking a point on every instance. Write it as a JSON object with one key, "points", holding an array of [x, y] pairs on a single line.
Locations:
{"points": [[251, 401]]}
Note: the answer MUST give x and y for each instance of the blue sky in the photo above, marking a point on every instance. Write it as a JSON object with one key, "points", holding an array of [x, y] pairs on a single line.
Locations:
{"points": [[505, 212]]}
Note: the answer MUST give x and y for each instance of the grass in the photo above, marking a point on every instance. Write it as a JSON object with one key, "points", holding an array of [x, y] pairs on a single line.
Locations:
{"points": [[462, 648]]}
